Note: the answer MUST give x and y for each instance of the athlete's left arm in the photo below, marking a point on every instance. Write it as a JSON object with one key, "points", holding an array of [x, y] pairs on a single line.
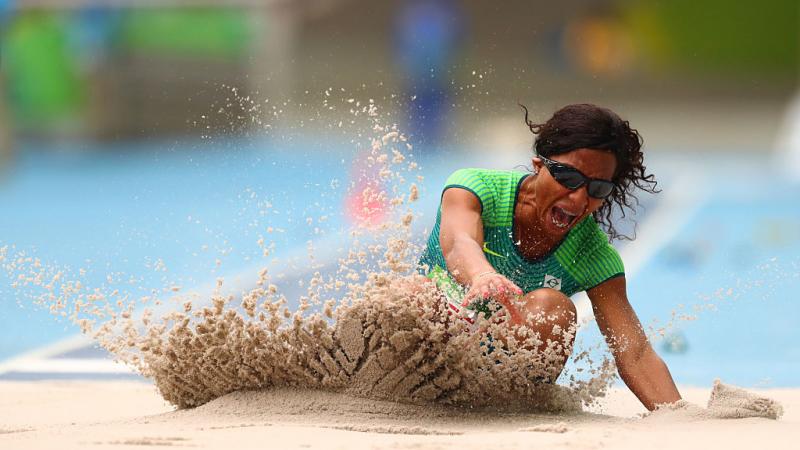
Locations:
{"points": [[639, 366]]}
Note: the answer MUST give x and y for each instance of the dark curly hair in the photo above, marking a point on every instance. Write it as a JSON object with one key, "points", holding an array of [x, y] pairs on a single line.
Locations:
{"points": [[589, 126]]}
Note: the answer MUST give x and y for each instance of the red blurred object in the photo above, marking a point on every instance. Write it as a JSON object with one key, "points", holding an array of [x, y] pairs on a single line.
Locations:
{"points": [[366, 205]]}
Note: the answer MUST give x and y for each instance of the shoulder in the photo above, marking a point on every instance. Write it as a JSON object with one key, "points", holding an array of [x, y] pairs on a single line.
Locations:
{"points": [[465, 177], [487, 179], [489, 186]]}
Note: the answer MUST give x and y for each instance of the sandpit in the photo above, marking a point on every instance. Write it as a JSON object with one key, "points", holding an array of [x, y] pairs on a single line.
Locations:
{"points": [[84, 414]]}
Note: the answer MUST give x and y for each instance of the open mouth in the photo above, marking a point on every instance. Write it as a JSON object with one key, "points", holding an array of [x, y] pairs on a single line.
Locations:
{"points": [[561, 218]]}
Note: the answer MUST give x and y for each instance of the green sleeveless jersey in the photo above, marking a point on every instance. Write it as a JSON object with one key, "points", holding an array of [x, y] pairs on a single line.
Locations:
{"points": [[582, 260]]}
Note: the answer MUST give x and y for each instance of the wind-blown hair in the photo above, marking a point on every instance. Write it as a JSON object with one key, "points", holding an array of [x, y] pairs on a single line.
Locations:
{"points": [[588, 126]]}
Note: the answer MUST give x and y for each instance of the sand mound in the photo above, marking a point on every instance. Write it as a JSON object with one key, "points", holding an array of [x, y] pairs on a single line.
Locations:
{"points": [[324, 406], [395, 342], [341, 411], [731, 402], [725, 402]]}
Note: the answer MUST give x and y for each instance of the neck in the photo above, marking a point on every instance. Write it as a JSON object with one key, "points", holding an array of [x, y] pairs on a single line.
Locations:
{"points": [[528, 230]]}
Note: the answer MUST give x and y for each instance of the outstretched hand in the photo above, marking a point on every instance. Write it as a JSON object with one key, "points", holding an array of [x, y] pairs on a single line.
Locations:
{"points": [[495, 286]]}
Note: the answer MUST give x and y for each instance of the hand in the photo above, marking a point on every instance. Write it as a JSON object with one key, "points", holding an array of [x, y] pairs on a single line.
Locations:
{"points": [[487, 285]]}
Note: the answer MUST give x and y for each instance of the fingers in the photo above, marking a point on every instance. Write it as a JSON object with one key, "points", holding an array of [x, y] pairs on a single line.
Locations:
{"points": [[493, 286], [472, 295]]}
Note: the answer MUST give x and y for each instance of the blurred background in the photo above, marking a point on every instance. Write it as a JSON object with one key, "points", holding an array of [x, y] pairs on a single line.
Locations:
{"points": [[716, 73], [139, 132]]}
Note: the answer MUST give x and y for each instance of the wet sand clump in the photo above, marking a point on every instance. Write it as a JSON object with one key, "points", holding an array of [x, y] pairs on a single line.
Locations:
{"points": [[393, 341]]}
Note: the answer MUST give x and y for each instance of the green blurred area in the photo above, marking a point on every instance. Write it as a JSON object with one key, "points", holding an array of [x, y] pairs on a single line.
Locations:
{"points": [[46, 84], [47, 81], [718, 37], [200, 32], [42, 77]]}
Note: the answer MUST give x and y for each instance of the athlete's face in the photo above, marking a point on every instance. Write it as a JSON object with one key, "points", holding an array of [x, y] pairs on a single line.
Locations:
{"points": [[559, 208]]}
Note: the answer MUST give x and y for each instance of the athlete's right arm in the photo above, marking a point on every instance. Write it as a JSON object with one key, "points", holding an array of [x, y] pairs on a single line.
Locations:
{"points": [[461, 239]]}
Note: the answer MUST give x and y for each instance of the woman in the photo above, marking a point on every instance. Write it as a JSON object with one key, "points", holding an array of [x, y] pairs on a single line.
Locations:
{"points": [[531, 240]]}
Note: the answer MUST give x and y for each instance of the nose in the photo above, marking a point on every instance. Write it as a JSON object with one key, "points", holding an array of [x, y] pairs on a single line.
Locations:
{"points": [[579, 197]]}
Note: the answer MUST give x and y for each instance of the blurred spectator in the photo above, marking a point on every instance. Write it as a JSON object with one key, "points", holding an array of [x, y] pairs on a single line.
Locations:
{"points": [[428, 34], [594, 42], [599, 43], [43, 81]]}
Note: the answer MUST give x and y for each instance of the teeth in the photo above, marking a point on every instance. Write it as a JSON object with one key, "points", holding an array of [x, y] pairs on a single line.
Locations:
{"points": [[559, 224], [567, 217]]}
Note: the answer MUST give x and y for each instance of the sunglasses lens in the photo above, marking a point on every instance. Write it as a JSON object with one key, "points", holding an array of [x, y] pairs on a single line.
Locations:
{"points": [[599, 189], [570, 179]]}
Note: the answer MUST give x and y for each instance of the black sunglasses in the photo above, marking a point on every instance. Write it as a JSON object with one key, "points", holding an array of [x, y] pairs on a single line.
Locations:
{"points": [[572, 178]]}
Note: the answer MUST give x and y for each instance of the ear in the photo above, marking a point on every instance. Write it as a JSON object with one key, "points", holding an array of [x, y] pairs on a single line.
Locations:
{"points": [[537, 164]]}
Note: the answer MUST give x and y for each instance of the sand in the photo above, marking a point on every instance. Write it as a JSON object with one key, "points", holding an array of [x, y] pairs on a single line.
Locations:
{"points": [[725, 402], [107, 414], [395, 340]]}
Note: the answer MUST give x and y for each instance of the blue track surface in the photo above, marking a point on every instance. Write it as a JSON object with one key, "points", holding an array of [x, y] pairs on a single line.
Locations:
{"points": [[121, 212], [735, 266]]}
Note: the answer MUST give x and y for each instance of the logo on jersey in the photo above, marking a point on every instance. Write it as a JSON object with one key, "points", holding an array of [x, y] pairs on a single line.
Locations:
{"points": [[552, 282]]}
